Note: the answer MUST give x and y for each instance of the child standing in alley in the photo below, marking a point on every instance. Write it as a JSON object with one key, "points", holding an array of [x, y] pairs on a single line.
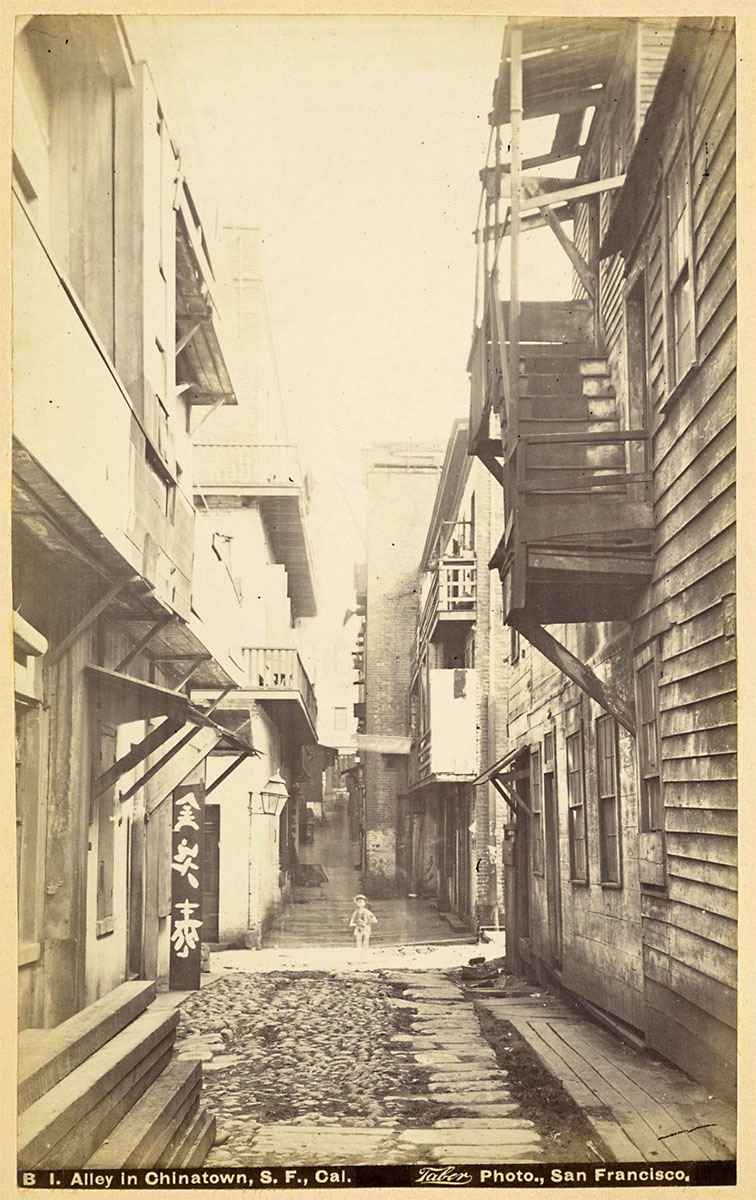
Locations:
{"points": [[362, 922]]}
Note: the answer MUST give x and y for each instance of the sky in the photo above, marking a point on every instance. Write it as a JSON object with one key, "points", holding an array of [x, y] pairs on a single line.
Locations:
{"points": [[354, 143]]}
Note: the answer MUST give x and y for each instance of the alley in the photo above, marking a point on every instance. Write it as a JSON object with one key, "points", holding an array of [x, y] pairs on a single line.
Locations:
{"points": [[393, 1066], [320, 915]]}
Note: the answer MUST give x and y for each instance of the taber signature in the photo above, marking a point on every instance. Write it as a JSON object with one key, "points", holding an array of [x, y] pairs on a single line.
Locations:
{"points": [[444, 1175]]}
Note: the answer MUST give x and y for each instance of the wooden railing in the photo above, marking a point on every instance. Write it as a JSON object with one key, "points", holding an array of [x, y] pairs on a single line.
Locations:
{"points": [[453, 589], [280, 669], [424, 756]]}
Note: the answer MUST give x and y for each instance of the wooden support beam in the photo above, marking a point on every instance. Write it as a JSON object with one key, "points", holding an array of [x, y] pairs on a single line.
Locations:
{"points": [[152, 742], [535, 186], [153, 770], [58, 651], [537, 160], [184, 341], [586, 679], [528, 221], [143, 642], [199, 660], [224, 776], [219, 402], [504, 794], [489, 460], [586, 275], [580, 192], [511, 795], [206, 711]]}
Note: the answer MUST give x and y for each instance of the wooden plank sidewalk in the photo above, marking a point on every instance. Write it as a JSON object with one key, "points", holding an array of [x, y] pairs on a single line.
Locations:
{"points": [[644, 1109]]}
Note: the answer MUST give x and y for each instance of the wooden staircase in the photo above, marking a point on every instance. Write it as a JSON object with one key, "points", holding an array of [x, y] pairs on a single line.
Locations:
{"points": [[582, 517], [579, 524], [102, 1090]]}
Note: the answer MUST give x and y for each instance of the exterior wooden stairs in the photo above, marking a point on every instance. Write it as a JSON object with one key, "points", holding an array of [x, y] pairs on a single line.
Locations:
{"points": [[579, 523], [102, 1090], [578, 537]]}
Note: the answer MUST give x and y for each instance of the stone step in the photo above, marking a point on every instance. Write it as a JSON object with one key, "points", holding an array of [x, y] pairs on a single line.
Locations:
{"points": [[145, 1132], [49, 1122], [192, 1145], [45, 1056]]}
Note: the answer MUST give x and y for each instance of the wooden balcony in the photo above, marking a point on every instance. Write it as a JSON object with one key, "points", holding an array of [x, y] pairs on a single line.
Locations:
{"points": [[451, 599], [276, 679]]}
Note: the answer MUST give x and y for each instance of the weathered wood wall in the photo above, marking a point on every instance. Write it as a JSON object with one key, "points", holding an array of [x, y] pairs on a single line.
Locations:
{"points": [[689, 931], [664, 959]]}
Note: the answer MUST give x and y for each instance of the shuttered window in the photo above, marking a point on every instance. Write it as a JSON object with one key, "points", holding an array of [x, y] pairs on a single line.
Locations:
{"points": [[576, 803], [607, 780], [679, 272], [651, 814], [536, 806]]}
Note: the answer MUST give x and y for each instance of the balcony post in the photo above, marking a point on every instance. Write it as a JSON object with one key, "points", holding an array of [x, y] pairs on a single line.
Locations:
{"points": [[514, 225]]}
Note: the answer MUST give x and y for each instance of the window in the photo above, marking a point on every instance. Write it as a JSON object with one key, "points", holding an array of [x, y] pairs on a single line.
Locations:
{"points": [[514, 644], [680, 303], [536, 806], [608, 799], [651, 809], [576, 802], [339, 718]]}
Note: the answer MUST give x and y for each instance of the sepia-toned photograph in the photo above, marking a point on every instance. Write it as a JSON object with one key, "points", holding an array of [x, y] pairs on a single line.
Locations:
{"points": [[374, 601]]}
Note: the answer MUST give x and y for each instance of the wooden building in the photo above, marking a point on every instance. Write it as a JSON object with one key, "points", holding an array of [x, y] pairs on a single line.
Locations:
{"points": [[252, 502], [118, 343], [451, 825], [608, 418]]}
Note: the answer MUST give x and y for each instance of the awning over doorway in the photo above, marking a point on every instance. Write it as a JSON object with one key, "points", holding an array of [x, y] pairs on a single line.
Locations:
{"points": [[503, 774], [126, 699], [186, 736]]}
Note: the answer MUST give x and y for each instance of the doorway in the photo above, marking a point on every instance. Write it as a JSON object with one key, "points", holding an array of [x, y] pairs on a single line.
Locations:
{"points": [[211, 873], [553, 891]]}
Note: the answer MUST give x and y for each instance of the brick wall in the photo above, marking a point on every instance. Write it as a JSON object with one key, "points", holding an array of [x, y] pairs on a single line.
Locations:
{"points": [[400, 498]]}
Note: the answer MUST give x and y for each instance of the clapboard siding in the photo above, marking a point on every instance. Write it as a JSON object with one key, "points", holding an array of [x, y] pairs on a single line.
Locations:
{"points": [[689, 929]]}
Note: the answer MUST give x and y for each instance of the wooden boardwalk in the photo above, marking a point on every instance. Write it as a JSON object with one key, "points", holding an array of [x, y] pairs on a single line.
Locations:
{"points": [[643, 1109]]}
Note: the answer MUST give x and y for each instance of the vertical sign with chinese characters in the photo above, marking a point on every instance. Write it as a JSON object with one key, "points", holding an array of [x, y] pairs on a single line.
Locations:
{"points": [[186, 890]]}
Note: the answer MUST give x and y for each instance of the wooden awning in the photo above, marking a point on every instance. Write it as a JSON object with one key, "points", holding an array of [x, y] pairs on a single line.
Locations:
{"points": [[123, 699]]}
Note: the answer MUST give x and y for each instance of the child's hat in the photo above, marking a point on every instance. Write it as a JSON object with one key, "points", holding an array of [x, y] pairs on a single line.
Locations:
{"points": [[360, 898]]}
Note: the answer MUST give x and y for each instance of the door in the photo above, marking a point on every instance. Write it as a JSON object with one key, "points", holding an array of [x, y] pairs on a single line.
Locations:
{"points": [[553, 892], [211, 873], [135, 876], [521, 858]]}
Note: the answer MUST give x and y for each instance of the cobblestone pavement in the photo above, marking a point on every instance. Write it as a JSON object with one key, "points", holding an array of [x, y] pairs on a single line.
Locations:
{"points": [[382, 1067]]}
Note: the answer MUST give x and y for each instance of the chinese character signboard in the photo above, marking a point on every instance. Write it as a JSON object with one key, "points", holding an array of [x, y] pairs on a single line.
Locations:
{"points": [[186, 891]]}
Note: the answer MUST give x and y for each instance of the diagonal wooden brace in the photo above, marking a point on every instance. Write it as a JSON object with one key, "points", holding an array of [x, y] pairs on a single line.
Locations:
{"points": [[586, 679], [136, 754]]}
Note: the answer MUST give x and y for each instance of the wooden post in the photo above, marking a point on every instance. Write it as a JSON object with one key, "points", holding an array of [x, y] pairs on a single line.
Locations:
{"points": [[514, 226]]}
